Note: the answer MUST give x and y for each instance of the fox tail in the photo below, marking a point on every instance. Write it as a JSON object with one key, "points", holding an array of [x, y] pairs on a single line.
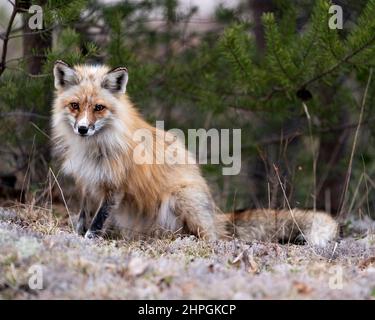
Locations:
{"points": [[314, 227]]}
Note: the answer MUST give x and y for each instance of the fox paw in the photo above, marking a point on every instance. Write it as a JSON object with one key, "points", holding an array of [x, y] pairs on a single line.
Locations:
{"points": [[81, 228], [91, 235]]}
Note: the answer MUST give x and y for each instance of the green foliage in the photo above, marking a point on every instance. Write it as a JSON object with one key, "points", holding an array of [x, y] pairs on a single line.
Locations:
{"points": [[362, 37], [220, 77], [62, 13], [296, 60], [309, 60]]}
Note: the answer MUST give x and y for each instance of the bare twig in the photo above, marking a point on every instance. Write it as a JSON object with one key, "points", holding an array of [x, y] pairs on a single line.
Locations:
{"points": [[63, 198], [349, 172], [299, 133], [22, 114], [356, 192], [315, 158], [27, 174], [31, 33], [6, 39], [29, 74], [287, 202], [40, 130]]}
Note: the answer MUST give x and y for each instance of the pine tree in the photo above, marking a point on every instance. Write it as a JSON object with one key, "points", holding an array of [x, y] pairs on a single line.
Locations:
{"points": [[300, 65]]}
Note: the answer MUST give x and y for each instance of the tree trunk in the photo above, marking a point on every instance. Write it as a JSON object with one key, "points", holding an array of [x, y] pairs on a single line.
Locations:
{"points": [[258, 7], [35, 43]]}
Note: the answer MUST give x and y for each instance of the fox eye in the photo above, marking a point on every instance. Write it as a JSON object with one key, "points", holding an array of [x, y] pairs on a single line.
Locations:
{"points": [[74, 106], [98, 107]]}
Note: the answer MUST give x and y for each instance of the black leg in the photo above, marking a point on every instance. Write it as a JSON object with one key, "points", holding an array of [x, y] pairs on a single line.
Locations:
{"points": [[98, 221], [81, 224]]}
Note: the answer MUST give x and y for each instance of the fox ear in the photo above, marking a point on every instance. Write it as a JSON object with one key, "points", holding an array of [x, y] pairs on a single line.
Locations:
{"points": [[116, 80], [65, 75]]}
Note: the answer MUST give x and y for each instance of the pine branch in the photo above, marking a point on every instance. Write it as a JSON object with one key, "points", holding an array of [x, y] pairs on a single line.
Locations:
{"points": [[338, 64], [321, 75], [232, 52]]}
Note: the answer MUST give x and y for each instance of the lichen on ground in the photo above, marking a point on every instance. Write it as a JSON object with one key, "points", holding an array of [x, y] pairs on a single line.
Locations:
{"points": [[175, 268]]}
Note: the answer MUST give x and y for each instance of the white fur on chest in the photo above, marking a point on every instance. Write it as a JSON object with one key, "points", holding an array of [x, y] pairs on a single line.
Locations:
{"points": [[94, 163], [88, 169]]}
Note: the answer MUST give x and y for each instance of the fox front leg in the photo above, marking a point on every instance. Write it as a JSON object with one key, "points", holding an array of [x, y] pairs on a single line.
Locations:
{"points": [[81, 227], [97, 223]]}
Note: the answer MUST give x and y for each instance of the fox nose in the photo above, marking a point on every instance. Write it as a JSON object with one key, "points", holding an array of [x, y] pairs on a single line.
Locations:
{"points": [[83, 130]]}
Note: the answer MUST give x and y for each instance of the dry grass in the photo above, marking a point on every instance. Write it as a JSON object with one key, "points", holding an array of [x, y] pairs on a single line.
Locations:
{"points": [[173, 268]]}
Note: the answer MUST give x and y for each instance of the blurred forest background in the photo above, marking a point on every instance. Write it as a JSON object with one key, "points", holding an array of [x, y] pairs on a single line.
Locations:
{"points": [[273, 68]]}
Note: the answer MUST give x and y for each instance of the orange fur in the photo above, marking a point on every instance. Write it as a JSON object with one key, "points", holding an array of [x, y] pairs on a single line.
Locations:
{"points": [[148, 197]]}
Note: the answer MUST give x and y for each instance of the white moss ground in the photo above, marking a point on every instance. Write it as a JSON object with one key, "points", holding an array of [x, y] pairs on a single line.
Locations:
{"points": [[183, 268]]}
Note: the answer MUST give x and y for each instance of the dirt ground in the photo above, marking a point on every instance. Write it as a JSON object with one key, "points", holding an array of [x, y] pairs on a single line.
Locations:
{"points": [[38, 250]]}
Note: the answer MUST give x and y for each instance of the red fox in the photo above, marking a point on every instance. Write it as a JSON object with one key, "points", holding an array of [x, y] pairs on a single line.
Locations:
{"points": [[93, 124]]}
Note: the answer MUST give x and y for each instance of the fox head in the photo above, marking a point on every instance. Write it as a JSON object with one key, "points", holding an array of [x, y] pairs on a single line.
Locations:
{"points": [[87, 96]]}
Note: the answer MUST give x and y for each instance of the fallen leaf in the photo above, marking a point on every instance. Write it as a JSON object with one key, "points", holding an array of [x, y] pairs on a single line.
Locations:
{"points": [[136, 267], [237, 259], [302, 288], [366, 263], [248, 260], [250, 264]]}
